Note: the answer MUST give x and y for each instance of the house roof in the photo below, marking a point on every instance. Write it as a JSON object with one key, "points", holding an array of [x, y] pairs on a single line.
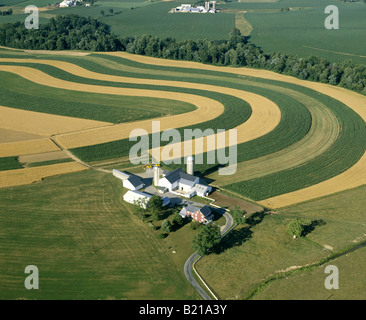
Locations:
{"points": [[191, 208], [206, 211]]}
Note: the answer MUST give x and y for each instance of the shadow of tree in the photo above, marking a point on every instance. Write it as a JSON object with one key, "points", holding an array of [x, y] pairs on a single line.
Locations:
{"points": [[255, 218], [235, 238], [312, 225]]}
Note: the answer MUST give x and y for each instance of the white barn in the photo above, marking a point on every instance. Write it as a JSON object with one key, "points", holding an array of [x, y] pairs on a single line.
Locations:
{"points": [[137, 197], [120, 175], [178, 179], [133, 183]]}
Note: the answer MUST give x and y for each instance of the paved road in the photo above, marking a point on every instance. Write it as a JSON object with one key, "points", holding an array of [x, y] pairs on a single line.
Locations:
{"points": [[188, 266], [188, 271]]}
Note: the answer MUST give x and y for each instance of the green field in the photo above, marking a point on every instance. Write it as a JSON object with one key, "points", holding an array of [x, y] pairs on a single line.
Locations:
{"points": [[302, 32], [19, 93], [85, 241], [307, 35], [10, 163]]}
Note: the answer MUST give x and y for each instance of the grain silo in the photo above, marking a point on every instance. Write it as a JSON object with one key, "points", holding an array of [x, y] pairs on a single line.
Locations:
{"points": [[156, 175], [190, 165]]}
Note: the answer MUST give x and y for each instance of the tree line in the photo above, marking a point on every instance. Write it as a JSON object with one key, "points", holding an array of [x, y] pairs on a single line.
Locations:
{"points": [[73, 32], [6, 13]]}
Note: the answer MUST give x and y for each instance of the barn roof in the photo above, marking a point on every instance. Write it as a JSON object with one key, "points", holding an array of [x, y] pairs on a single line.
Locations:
{"points": [[178, 174], [134, 180]]}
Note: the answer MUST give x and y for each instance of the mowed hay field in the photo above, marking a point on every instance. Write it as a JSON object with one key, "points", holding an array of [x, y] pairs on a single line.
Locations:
{"points": [[85, 241]]}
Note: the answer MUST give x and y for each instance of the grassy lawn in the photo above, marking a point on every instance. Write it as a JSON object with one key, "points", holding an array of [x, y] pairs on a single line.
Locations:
{"points": [[85, 241], [251, 253]]}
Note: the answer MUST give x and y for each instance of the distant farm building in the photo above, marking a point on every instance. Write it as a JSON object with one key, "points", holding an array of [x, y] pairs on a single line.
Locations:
{"points": [[203, 215], [210, 6]]}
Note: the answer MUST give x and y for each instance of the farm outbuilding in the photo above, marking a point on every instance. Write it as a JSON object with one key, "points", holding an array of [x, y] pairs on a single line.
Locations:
{"points": [[133, 183], [120, 175], [137, 198]]}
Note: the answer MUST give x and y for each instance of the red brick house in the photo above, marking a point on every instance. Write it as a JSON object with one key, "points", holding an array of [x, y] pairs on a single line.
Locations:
{"points": [[203, 215]]}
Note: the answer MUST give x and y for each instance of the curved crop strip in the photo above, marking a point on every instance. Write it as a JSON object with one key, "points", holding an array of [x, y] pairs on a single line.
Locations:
{"points": [[43, 124], [239, 141], [346, 151], [206, 108], [352, 178], [352, 99], [322, 135], [16, 92], [265, 114]]}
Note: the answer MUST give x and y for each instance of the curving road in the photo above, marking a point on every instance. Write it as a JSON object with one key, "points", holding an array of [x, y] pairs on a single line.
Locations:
{"points": [[188, 266]]}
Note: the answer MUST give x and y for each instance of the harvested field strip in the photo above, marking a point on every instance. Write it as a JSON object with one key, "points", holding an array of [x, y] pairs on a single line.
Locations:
{"points": [[42, 123], [352, 178], [11, 178], [47, 163], [7, 135], [27, 147], [43, 157]]}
